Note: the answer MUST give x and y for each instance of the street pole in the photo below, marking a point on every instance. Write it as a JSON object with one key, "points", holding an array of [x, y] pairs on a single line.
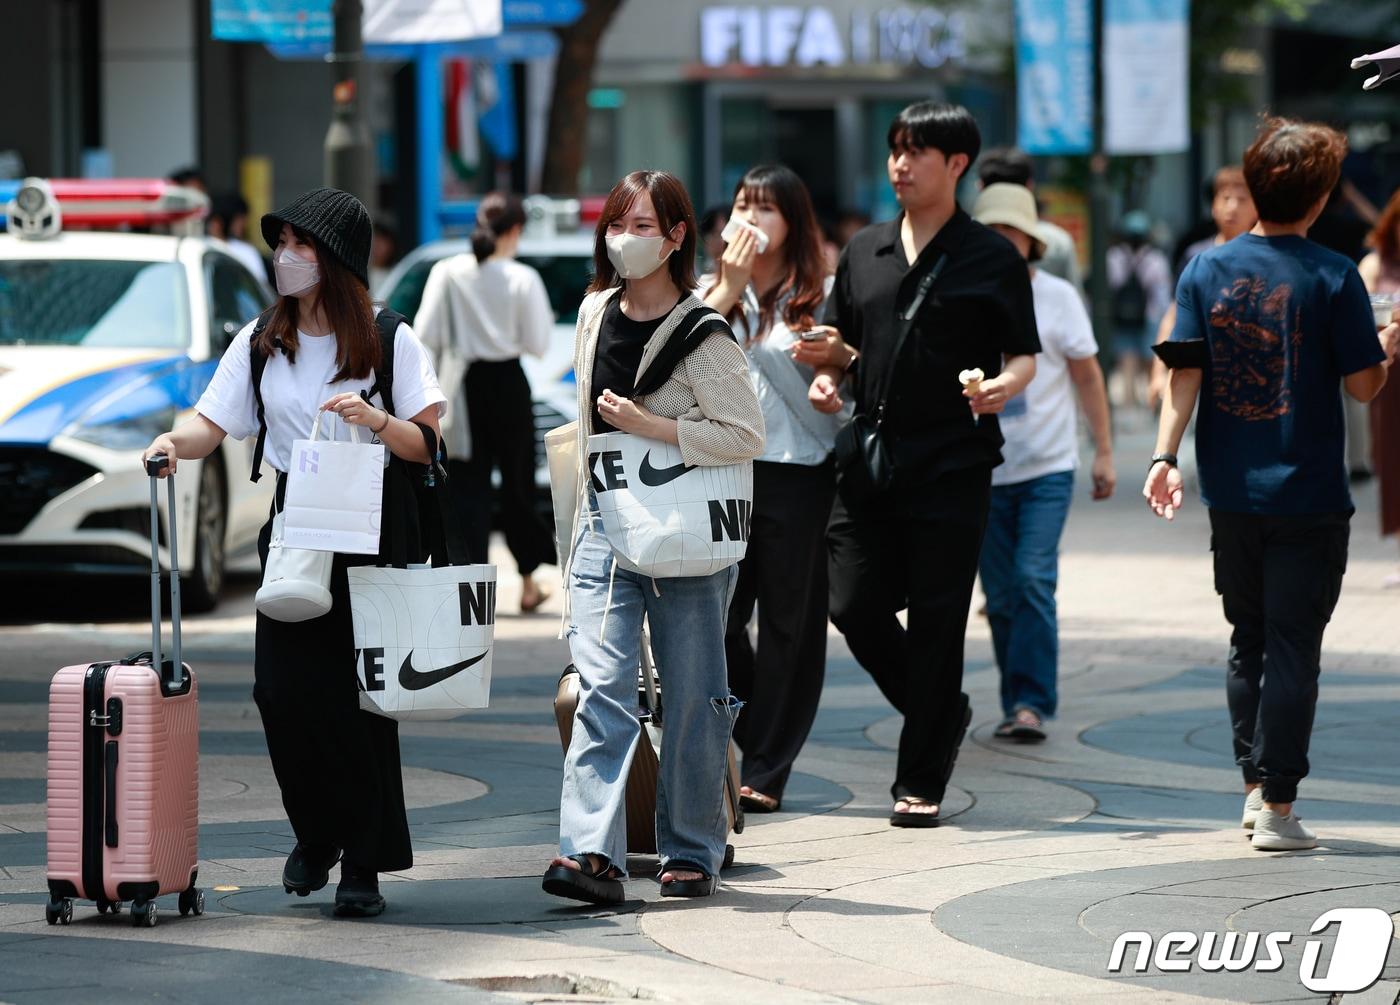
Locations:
{"points": [[1099, 207], [349, 163]]}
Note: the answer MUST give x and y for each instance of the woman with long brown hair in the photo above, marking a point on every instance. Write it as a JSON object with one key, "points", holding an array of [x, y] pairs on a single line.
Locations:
{"points": [[651, 360], [319, 349], [771, 297], [1381, 272]]}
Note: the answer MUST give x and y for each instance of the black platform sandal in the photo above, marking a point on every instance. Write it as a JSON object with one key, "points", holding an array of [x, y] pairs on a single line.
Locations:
{"points": [[702, 887], [600, 887]]}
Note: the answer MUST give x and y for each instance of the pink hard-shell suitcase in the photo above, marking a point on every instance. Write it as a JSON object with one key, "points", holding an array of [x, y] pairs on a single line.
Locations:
{"points": [[123, 809]]}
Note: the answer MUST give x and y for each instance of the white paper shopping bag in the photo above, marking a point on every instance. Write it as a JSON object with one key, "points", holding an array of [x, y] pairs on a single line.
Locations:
{"points": [[423, 638], [334, 494]]}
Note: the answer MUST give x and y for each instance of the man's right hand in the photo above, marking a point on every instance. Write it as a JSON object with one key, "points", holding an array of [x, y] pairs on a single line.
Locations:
{"points": [[1163, 490], [162, 444], [1390, 339]]}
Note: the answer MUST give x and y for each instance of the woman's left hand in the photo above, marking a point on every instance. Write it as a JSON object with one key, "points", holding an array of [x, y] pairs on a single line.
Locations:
{"points": [[356, 411], [623, 414]]}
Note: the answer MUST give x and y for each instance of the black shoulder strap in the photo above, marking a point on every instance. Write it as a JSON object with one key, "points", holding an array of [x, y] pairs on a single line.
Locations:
{"points": [[698, 324], [906, 324], [387, 322], [258, 363]]}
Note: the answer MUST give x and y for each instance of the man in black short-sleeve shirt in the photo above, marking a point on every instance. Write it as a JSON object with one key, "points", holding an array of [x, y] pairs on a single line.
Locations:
{"points": [[916, 545]]}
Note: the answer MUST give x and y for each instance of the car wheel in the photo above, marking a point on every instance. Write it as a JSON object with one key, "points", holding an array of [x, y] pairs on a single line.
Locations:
{"points": [[200, 586]]}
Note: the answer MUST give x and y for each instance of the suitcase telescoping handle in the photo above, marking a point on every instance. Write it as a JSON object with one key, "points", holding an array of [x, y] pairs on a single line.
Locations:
{"points": [[154, 463]]}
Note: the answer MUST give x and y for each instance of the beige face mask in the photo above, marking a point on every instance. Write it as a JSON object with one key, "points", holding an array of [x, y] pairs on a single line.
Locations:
{"points": [[635, 257], [294, 273]]}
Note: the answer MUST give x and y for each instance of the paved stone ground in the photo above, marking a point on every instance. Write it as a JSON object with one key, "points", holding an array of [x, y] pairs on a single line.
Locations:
{"points": [[1127, 819]]}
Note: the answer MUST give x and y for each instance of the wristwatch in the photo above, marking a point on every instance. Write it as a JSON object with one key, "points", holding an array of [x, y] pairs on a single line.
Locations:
{"points": [[1164, 457]]}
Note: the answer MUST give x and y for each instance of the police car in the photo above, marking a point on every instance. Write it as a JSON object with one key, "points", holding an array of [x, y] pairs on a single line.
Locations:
{"points": [[552, 245], [106, 340]]}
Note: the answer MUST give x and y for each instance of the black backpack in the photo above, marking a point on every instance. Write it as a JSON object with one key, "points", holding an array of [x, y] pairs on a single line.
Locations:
{"points": [[1130, 300]]}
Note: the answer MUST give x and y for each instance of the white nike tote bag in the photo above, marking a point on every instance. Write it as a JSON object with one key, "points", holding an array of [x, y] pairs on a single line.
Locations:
{"points": [[335, 494], [665, 518], [423, 638]]}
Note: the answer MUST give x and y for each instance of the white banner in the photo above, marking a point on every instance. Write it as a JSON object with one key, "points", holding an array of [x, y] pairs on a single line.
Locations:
{"points": [[405, 21], [1146, 76], [664, 517], [423, 638]]}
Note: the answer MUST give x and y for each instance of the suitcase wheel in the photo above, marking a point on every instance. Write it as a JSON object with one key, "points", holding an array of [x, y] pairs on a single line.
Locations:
{"points": [[144, 913], [192, 902], [59, 912], [114, 906], [728, 856]]}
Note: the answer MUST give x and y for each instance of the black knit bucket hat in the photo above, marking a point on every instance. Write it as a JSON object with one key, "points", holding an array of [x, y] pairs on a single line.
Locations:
{"points": [[336, 219]]}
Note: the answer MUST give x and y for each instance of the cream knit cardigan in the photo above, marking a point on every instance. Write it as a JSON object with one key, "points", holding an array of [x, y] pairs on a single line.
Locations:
{"points": [[709, 394]]}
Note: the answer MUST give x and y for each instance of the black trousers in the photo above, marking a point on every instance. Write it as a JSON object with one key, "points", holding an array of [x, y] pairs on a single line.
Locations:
{"points": [[920, 554], [784, 574], [1279, 578], [503, 438], [337, 766]]}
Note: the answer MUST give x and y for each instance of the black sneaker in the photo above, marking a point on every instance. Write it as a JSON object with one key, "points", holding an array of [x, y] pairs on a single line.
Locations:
{"points": [[308, 868], [357, 896]]}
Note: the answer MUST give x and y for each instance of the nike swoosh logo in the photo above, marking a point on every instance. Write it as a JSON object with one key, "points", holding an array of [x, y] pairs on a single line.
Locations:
{"points": [[660, 476], [414, 680]]}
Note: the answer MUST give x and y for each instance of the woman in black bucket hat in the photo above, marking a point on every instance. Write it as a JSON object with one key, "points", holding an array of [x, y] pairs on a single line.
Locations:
{"points": [[317, 349]]}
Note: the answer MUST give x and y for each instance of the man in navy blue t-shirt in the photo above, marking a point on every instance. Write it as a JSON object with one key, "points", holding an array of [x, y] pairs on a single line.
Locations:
{"points": [[1269, 328]]}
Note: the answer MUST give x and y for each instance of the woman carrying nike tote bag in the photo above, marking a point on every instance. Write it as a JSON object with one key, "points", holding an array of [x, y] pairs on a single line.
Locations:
{"points": [[641, 299], [322, 347]]}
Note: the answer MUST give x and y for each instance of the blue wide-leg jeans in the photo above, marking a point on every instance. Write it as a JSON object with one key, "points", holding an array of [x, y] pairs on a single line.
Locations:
{"points": [[686, 617]]}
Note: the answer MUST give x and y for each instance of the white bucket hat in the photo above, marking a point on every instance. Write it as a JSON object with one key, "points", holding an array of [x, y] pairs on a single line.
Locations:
{"points": [[1012, 206]]}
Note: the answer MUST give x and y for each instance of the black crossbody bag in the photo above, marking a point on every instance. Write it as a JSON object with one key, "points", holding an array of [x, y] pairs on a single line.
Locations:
{"points": [[864, 465]]}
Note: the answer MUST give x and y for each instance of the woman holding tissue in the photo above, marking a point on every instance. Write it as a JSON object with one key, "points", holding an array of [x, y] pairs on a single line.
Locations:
{"points": [[318, 350], [651, 360], [770, 286]]}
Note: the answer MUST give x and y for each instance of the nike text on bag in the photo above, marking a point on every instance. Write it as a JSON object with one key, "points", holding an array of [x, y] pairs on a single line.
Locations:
{"points": [[296, 583], [663, 517], [423, 638], [335, 494], [561, 450]]}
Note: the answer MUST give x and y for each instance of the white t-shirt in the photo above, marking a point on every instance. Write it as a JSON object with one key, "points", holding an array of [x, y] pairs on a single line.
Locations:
{"points": [[293, 392], [1040, 424], [492, 311]]}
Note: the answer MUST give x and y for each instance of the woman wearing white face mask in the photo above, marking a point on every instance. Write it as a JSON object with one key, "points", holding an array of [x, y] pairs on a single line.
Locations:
{"points": [[318, 348], [635, 377]]}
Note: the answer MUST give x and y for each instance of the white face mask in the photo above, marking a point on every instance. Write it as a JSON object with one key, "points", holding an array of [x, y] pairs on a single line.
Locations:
{"points": [[294, 273], [635, 257]]}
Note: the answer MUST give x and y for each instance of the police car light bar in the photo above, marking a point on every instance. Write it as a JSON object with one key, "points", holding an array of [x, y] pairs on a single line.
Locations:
{"points": [[138, 202]]}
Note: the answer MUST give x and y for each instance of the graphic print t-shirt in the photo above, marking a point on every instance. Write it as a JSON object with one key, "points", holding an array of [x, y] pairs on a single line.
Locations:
{"points": [[1284, 320]]}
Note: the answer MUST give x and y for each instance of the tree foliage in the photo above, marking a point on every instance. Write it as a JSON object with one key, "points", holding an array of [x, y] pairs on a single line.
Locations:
{"points": [[1217, 26]]}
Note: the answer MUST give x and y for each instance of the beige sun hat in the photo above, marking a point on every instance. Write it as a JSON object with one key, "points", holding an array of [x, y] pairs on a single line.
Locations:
{"points": [[1012, 206]]}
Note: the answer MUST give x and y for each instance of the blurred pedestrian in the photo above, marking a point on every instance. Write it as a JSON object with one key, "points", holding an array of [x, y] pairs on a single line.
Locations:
{"points": [[1283, 325], [383, 253], [487, 310], [771, 298], [228, 221], [640, 300], [1010, 166], [1140, 287], [336, 765], [962, 295], [1380, 270], [712, 223], [189, 176], [1232, 211], [1032, 487]]}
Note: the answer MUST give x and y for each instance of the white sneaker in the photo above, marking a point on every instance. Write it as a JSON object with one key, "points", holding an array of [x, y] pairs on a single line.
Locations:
{"points": [[1253, 803], [1273, 832]]}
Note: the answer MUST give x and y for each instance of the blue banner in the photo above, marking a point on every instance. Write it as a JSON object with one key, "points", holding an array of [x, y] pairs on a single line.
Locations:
{"points": [[271, 21], [1055, 76]]}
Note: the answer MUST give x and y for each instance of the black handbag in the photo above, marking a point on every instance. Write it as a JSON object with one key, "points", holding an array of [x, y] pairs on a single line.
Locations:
{"points": [[864, 466]]}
